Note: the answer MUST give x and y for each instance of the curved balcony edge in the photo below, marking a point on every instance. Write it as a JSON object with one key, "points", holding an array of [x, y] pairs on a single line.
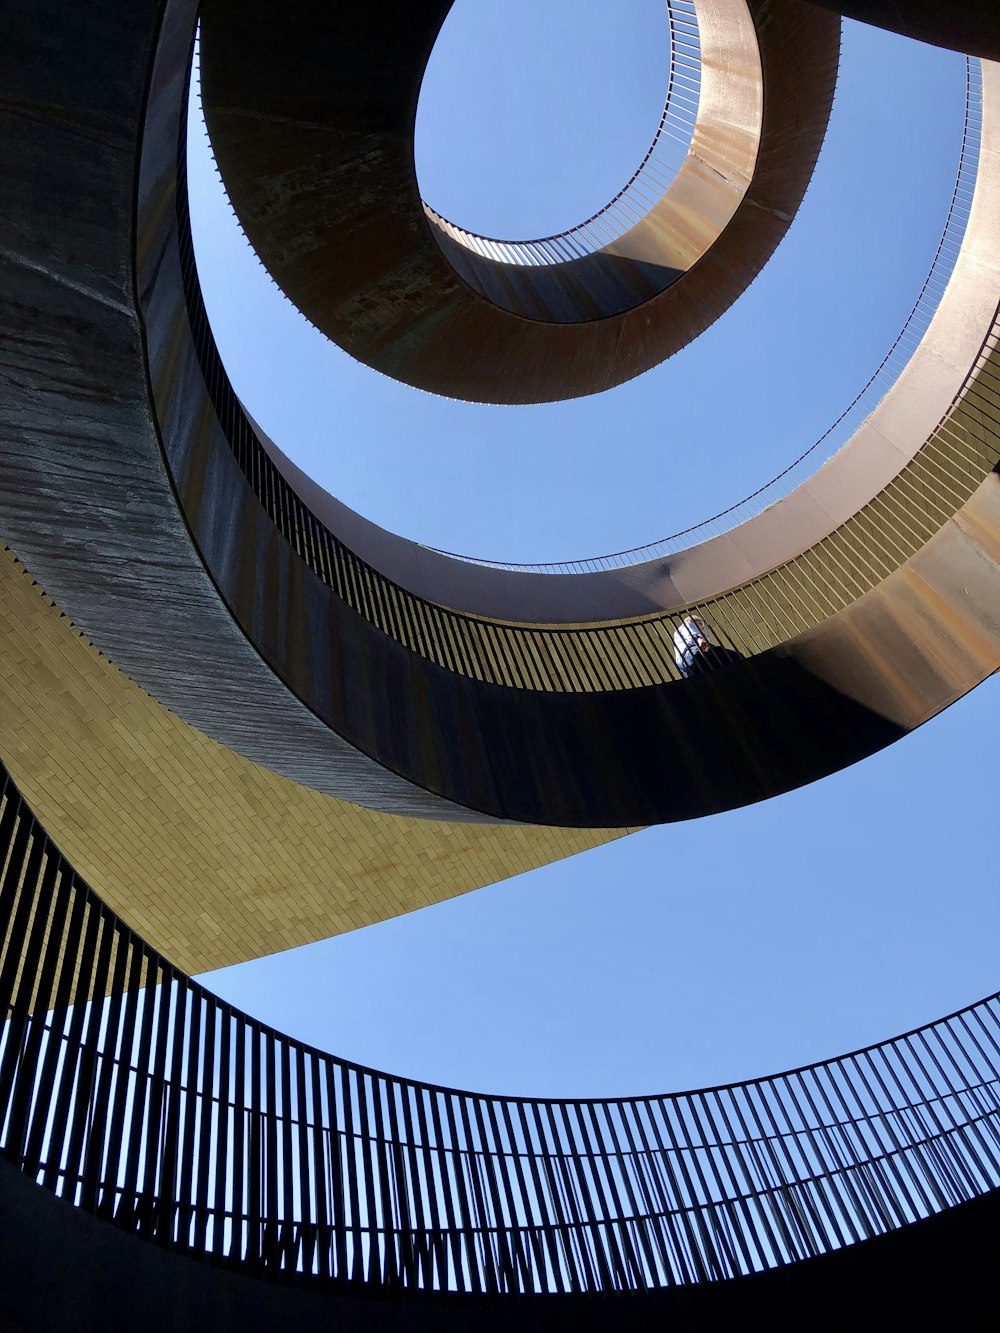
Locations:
{"points": [[131, 1092]]}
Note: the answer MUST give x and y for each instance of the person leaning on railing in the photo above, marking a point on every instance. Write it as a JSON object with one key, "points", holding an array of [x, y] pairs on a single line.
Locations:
{"points": [[694, 651]]}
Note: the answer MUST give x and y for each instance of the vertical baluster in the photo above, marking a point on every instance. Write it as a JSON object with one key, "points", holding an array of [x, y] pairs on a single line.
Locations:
{"points": [[23, 1140], [76, 970], [271, 1210], [567, 1268], [442, 1200], [602, 1244], [482, 1217], [515, 1265], [89, 1001], [468, 1270], [338, 1202], [16, 903], [288, 1230], [21, 968], [426, 1238], [255, 1211], [221, 1242], [354, 1270], [536, 1200], [173, 1112], [134, 1211], [241, 1246], [308, 1128], [209, 1121], [107, 1047], [121, 1131], [190, 1104]]}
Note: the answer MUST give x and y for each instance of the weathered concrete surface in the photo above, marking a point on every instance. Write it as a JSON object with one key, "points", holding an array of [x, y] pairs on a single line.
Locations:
{"points": [[85, 498]]}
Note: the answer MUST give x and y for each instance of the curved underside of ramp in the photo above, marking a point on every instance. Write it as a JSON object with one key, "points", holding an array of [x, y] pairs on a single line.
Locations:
{"points": [[200, 1154], [971, 26], [312, 646]]}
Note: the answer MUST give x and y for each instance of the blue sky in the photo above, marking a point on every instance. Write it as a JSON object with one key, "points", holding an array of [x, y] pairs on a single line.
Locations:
{"points": [[694, 953]]}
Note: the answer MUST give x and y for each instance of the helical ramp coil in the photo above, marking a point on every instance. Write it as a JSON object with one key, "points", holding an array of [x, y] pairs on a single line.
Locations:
{"points": [[166, 563]]}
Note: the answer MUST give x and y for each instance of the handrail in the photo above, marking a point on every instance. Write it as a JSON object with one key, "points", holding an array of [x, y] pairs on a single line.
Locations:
{"points": [[841, 430], [134, 1093], [658, 168]]}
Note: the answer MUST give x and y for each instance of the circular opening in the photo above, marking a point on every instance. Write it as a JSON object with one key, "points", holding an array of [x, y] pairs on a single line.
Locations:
{"points": [[782, 394], [548, 105], [608, 472]]}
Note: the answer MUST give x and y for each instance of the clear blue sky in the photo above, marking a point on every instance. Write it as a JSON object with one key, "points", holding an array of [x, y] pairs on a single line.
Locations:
{"points": [[694, 953]]}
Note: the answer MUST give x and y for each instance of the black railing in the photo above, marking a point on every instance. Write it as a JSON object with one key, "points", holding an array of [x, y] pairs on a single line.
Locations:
{"points": [[131, 1091]]}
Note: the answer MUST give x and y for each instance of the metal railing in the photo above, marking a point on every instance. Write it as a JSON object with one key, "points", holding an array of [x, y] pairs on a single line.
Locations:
{"points": [[858, 410], [132, 1092], [644, 188]]}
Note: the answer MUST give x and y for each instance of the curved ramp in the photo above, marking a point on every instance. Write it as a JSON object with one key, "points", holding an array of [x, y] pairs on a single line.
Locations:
{"points": [[177, 1124], [533, 699], [366, 704], [316, 150], [136, 490]]}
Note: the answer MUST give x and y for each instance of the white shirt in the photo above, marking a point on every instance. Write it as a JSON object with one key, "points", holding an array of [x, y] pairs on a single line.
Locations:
{"points": [[686, 637]]}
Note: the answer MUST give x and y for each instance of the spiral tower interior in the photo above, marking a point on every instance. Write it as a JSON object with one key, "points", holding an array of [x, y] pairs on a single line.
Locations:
{"points": [[240, 717]]}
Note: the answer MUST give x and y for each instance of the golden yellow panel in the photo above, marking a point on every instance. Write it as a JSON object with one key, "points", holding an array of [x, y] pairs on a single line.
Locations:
{"points": [[211, 858]]}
